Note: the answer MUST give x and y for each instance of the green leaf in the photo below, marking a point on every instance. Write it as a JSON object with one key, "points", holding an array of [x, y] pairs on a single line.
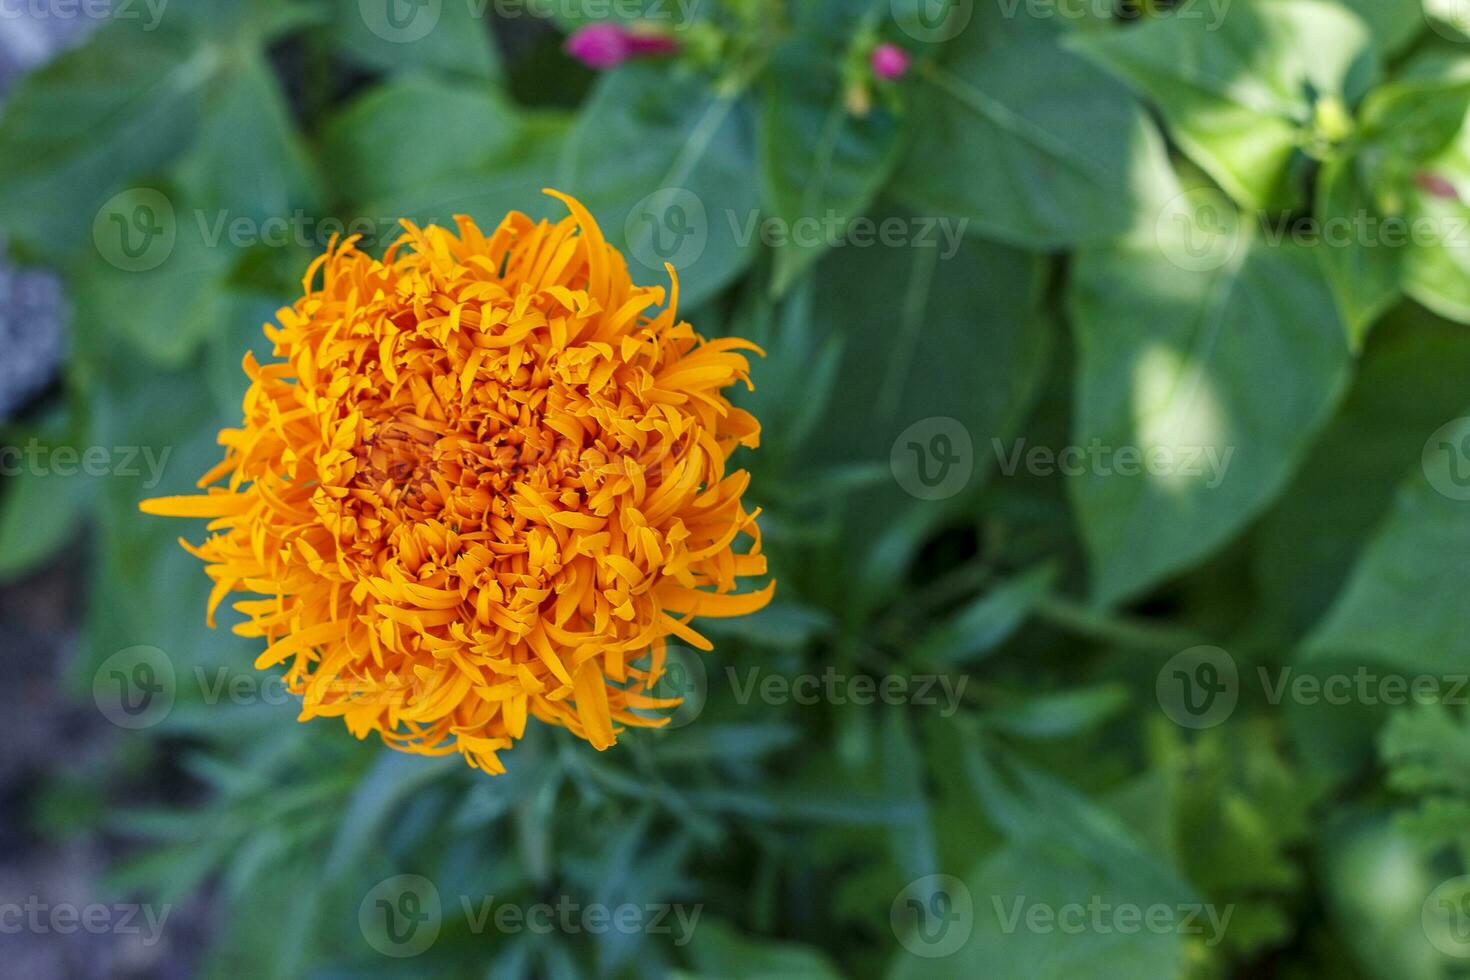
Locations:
{"points": [[1447, 18], [248, 161], [721, 952], [512, 183], [1415, 116], [1394, 23], [1362, 269], [236, 20], [1240, 813], [1030, 143], [1427, 748], [1377, 194], [942, 336], [1357, 854], [395, 777], [723, 743], [983, 624], [820, 164], [1409, 382], [1239, 90], [158, 279], [911, 843], [908, 316], [441, 129], [1436, 269], [1404, 604], [794, 383], [1061, 714], [75, 132], [781, 625], [664, 164], [245, 314], [445, 36], [1213, 375], [40, 514], [148, 590], [1067, 854], [668, 16]]}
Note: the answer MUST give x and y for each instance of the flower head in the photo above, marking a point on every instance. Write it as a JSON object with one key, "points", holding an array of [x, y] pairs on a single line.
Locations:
{"points": [[485, 480], [606, 45], [889, 61]]}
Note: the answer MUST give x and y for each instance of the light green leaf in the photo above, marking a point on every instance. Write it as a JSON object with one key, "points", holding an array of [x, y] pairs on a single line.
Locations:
{"points": [[1239, 88], [1201, 380]]}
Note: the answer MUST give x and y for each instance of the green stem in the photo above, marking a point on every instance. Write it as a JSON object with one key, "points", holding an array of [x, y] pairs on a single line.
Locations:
{"points": [[1076, 618]]}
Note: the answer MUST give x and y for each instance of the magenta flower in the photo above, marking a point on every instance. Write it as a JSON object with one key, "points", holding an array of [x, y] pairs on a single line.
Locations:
{"points": [[890, 61], [606, 45]]}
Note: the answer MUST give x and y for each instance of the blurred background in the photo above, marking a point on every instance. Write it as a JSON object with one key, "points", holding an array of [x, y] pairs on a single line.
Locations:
{"points": [[1115, 472]]}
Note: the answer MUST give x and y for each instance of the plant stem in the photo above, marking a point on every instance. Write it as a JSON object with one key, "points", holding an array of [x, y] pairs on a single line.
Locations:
{"points": [[1076, 618]]}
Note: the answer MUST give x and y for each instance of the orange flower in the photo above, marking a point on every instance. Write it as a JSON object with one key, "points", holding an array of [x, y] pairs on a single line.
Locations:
{"points": [[486, 481]]}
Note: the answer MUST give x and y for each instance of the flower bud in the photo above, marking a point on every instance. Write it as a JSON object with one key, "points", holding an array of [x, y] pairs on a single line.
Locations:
{"points": [[890, 61]]}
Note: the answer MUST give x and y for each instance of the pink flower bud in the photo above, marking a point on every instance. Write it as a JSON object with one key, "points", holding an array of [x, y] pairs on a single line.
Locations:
{"points": [[1436, 185], [607, 45], [890, 61], [599, 45]]}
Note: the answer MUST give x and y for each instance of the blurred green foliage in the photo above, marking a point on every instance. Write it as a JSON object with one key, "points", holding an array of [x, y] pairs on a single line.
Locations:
{"points": [[1148, 194]]}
